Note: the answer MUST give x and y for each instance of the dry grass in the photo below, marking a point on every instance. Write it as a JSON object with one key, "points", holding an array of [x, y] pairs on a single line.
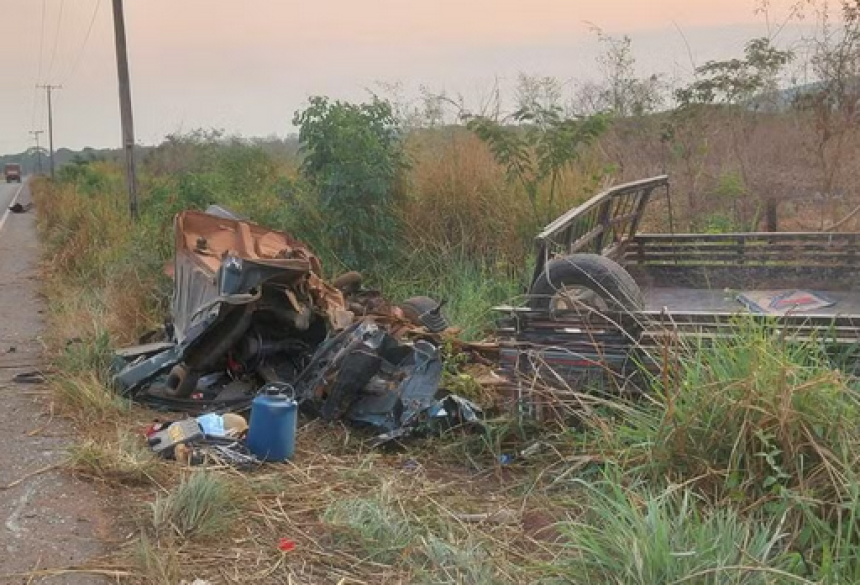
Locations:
{"points": [[227, 527], [445, 512], [353, 517], [124, 460]]}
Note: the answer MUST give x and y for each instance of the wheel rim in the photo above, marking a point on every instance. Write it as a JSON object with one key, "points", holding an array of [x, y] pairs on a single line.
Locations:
{"points": [[577, 298]]}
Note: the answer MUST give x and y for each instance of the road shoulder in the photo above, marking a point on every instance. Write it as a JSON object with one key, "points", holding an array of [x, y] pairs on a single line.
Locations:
{"points": [[50, 520]]}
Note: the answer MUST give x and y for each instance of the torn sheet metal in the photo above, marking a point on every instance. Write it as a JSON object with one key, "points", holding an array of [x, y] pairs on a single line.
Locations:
{"points": [[250, 308], [224, 260], [367, 376]]}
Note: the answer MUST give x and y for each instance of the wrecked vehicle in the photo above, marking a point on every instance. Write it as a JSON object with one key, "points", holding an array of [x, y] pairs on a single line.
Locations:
{"points": [[606, 300], [250, 308]]}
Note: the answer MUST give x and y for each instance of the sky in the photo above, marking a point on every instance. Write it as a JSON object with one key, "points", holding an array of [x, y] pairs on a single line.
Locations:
{"points": [[246, 67]]}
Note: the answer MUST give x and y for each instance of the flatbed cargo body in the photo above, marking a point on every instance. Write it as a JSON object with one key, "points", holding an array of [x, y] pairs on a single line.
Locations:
{"points": [[691, 288]]}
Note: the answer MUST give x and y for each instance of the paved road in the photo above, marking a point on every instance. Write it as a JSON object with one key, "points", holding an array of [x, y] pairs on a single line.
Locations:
{"points": [[9, 192], [49, 520]]}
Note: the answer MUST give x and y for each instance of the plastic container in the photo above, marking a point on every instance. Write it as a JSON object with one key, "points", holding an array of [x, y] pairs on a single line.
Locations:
{"points": [[272, 429]]}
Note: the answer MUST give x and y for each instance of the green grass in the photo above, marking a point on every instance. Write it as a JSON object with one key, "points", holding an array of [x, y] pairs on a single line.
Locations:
{"points": [[376, 525], [470, 288], [386, 529], [748, 417], [161, 565], [200, 507], [738, 468], [644, 536], [88, 398]]}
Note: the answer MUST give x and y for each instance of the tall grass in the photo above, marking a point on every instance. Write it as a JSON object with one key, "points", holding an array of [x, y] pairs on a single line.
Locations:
{"points": [[644, 536], [748, 450], [747, 415], [737, 468]]}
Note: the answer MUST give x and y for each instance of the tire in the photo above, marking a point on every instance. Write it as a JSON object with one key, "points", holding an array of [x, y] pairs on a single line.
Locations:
{"points": [[425, 312], [604, 277], [181, 382], [348, 282]]}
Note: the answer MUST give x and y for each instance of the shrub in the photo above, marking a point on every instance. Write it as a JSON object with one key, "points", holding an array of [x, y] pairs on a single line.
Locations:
{"points": [[354, 157]]}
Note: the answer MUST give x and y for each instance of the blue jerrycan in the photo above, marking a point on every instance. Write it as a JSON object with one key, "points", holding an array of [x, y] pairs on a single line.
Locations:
{"points": [[272, 429]]}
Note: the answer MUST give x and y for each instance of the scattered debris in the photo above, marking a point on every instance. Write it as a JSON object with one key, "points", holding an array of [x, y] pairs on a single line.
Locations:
{"points": [[211, 438], [782, 302], [501, 517], [29, 378], [250, 312], [18, 208]]}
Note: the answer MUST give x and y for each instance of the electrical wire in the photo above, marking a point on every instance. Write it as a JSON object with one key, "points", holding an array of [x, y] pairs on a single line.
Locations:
{"points": [[77, 60], [56, 38], [39, 66]]}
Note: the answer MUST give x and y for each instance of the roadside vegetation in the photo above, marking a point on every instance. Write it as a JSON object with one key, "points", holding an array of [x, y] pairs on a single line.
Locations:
{"points": [[739, 466]]}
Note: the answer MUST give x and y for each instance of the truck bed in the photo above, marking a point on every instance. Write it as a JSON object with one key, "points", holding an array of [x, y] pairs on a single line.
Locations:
{"points": [[686, 300]]}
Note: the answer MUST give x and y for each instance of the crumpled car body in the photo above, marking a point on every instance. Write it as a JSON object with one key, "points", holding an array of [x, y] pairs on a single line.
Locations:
{"points": [[234, 279], [249, 307], [222, 261]]}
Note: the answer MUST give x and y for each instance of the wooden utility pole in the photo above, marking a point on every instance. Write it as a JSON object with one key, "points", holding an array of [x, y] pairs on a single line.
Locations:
{"points": [[49, 89], [35, 134], [125, 105]]}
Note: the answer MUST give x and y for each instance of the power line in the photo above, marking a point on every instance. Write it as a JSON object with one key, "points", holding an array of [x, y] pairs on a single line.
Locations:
{"points": [[39, 65], [41, 43], [56, 38], [84, 44]]}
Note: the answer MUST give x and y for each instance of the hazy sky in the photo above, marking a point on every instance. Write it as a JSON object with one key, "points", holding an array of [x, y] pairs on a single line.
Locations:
{"points": [[247, 66]]}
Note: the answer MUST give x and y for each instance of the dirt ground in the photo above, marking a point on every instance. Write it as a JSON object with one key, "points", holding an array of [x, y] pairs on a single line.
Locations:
{"points": [[48, 519]]}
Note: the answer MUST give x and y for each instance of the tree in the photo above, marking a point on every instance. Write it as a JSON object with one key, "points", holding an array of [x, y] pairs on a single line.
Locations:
{"points": [[536, 146], [833, 99], [619, 91], [354, 159], [740, 86], [737, 81]]}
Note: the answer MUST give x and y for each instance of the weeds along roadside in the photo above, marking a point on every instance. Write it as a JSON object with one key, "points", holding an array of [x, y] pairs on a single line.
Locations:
{"points": [[104, 286], [738, 471]]}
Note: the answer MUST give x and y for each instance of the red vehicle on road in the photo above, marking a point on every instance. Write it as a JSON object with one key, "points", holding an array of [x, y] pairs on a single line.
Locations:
{"points": [[12, 171]]}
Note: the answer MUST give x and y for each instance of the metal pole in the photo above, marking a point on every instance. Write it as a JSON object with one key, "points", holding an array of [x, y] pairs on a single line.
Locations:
{"points": [[51, 130], [49, 89], [35, 134], [125, 105]]}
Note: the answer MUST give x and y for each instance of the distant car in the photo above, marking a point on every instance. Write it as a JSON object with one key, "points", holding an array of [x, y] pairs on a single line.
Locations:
{"points": [[12, 171]]}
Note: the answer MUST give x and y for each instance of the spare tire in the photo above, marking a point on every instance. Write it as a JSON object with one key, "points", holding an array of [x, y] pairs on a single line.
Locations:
{"points": [[424, 311], [590, 279]]}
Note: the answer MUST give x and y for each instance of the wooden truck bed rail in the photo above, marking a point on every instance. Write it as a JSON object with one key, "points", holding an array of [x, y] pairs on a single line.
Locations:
{"points": [[601, 225], [836, 250]]}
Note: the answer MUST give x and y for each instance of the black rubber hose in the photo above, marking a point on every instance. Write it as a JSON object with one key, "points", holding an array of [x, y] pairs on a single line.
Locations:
{"points": [[211, 347]]}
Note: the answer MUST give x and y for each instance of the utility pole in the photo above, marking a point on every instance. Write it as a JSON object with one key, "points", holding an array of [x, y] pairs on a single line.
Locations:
{"points": [[49, 89], [125, 105], [35, 134]]}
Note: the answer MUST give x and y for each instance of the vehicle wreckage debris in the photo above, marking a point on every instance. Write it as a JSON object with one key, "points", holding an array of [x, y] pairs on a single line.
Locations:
{"points": [[253, 326], [18, 208]]}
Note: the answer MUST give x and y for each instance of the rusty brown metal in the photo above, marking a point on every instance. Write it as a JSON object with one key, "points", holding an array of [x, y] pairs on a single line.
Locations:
{"points": [[205, 240]]}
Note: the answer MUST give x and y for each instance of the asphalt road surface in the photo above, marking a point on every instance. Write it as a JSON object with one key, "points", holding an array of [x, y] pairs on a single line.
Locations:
{"points": [[48, 520]]}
